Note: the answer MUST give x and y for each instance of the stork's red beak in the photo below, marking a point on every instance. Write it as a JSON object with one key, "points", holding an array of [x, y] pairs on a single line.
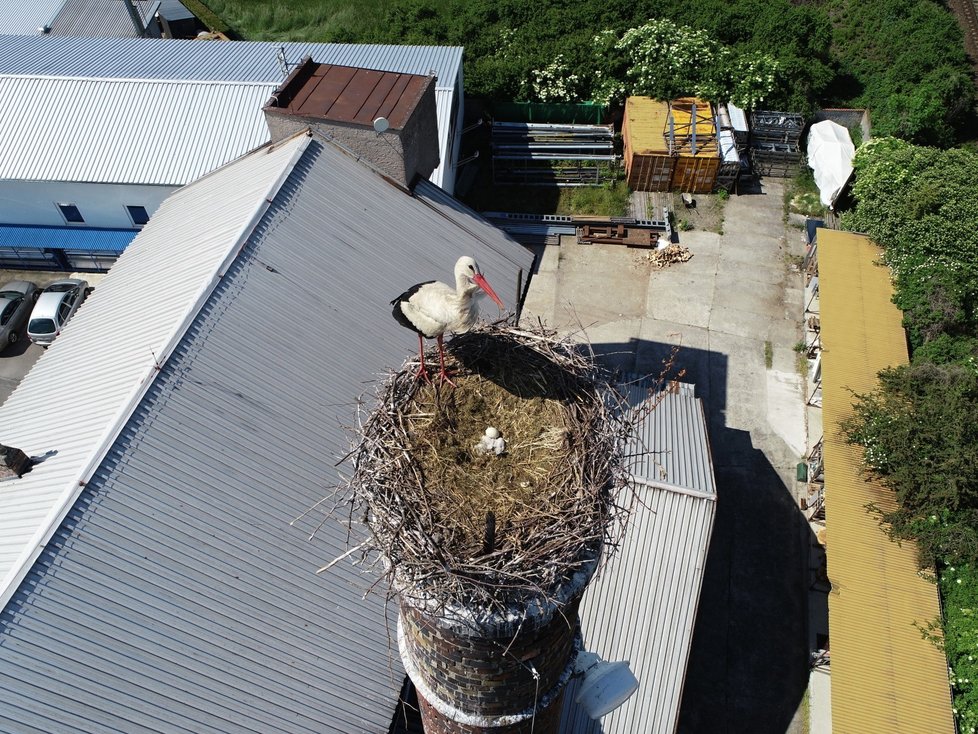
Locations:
{"points": [[480, 281]]}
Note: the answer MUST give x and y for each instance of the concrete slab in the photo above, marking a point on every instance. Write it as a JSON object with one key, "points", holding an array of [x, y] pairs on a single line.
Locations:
{"points": [[786, 408], [820, 702], [748, 668]]}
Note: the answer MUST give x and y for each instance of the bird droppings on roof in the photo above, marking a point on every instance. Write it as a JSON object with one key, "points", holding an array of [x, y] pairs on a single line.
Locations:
{"points": [[461, 526]]}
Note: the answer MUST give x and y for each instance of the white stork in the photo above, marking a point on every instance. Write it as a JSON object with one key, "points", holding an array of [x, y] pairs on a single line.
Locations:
{"points": [[432, 308]]}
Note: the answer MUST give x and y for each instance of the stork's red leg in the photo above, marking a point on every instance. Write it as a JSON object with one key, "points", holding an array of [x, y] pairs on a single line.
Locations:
{"points": [[422, 373], [443, 373]]}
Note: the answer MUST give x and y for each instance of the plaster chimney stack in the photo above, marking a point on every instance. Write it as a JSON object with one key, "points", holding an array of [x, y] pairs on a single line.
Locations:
{"points": [[386, 118]]}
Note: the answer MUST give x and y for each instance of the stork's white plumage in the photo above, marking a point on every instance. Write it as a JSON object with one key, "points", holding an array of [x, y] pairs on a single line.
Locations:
{"points": [[432, 308]]}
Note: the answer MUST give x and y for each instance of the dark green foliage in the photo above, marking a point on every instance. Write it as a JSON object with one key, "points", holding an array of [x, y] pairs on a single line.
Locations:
{"points": [[921, 205], [920, 437], [959, 589], [903, 59], [907, 64]]}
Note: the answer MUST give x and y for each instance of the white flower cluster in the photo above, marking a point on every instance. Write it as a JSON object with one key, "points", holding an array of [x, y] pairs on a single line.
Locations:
{"points": [[555, 83]]}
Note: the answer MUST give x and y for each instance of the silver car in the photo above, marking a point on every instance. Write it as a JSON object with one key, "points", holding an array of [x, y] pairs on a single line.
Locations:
{"points": [[16, 301], [54, 307]]}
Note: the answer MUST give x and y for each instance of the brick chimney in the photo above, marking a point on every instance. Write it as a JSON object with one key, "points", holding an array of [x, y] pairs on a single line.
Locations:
{"points": [[13, 462], [386, 118], [486, 670]]}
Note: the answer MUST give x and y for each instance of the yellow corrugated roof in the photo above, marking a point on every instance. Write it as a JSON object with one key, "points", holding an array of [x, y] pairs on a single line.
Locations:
{"points": [[885, 677], [647, 120]]}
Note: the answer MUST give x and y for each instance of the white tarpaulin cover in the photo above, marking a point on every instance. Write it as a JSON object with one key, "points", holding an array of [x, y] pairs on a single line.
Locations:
{"points": [[830, 152]]}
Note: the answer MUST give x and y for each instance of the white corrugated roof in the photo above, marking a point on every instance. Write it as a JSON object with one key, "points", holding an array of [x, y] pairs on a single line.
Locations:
{"points": [[160, 132], [56, 412], [642, 606]]}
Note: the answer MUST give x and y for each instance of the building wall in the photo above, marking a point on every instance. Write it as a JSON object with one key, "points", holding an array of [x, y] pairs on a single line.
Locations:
{"points": [[401, 154], [101, 205]]}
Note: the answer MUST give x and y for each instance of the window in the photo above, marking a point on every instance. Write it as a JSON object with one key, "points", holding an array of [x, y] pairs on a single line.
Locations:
{"points": [[70, 213], [138, 215]]}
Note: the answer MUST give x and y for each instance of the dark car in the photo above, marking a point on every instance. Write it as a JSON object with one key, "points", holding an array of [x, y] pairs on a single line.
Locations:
{"points": [[16, 301]]}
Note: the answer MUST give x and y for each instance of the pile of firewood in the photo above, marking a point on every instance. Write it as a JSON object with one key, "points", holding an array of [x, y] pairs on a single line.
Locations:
{"points": [[668, 255]]}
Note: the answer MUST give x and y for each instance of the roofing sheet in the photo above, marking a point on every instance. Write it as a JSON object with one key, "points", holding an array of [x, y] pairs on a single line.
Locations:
{"points": [[738, 118], [206, 61], [642, 606], [648, 126], [101, 18], [886, 678], [66, 238], [18, 17], [176, 596], [182, 59], [350, 94], [123, 131]]}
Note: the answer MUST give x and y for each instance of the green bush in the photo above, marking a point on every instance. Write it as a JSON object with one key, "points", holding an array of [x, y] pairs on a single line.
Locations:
{"points": [[920, 438], [959, 588]]}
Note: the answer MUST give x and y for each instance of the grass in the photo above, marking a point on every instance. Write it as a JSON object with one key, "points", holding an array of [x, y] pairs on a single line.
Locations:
{"points": [[768, 354], [607, 200], [802, 197], [306, 20]]}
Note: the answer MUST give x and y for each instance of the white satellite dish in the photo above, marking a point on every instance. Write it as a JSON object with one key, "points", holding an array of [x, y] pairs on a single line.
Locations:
{"points": [[381, 124], [604, 686]]}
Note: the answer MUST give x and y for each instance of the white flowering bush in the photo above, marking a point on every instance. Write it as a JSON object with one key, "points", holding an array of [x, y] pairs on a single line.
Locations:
{"points": [[555, 82], [664, 60]]}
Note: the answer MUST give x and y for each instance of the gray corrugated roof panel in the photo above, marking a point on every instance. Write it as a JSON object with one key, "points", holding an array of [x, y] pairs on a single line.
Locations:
{"points": [[176, 596], [157, 132], [670, 446], [18, 17], [91, 18], [190, 59], [174, 10], [642, 606], [68, 81]]}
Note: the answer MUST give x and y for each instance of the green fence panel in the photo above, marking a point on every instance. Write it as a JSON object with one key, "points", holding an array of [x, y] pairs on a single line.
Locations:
{"points": [[568, 113]]}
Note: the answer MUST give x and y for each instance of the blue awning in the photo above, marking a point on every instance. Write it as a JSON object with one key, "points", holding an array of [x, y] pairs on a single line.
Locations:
{"points": [[74, 239]]}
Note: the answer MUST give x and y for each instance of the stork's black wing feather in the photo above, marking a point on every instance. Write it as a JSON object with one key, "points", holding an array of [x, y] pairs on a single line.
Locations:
{"points": [[399, 314]]}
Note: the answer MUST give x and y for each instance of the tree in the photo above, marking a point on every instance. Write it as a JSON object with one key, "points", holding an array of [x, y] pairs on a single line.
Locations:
{"points": [[921, 205], [920, 438]]}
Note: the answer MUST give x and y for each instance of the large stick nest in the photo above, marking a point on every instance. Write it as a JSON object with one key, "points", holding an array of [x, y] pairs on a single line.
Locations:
{"points": [[455, 525]]}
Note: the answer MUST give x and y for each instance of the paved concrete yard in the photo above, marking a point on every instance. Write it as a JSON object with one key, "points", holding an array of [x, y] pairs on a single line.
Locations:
{"points": [[748, 668]]}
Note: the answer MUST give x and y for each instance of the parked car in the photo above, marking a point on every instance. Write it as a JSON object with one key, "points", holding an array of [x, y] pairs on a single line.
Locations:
{"points": [[54, 307], [16, 301]]}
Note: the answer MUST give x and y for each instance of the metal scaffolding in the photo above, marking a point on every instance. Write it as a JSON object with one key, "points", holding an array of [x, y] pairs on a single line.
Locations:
{"points": [[553, 155]]}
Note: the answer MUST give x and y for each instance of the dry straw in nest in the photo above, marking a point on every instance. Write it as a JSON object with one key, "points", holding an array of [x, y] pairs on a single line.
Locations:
{"points": [[458, 526]]}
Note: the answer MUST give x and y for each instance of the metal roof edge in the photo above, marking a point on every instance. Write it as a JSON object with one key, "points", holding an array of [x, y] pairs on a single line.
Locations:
{"points": [[27, 558], [699, 494], [143, 80]]}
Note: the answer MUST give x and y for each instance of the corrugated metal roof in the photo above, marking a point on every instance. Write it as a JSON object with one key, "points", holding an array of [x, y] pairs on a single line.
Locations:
{"points": [[176, 596], [101, 18], [642, 607], [89, 239], [28, 18], [228, 61], [124, 131], [351, 94], [241, 61], [648, 119], [886, 678]]}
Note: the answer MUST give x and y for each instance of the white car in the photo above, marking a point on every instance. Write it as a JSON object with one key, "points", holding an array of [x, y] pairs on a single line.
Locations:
{"points": [[54, 307]]}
